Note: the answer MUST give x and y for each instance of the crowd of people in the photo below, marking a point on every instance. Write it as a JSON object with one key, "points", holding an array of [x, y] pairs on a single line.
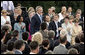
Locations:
{"points": [[34, 32]]}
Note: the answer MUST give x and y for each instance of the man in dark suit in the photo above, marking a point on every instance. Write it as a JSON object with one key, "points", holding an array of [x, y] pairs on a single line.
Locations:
{"points": [[55, 26], [36, 20]]}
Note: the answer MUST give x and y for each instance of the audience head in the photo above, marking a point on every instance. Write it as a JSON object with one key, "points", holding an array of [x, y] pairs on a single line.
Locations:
{"points": [[63, 9], [51, 34], [37, 37], [72, 51], [25, 36], [50, 11], [31, 14], [34, 46], [4, 12], [76, 21], [20, 18], [46, 43], [19, 44], [6, 29], [31, 9], [53, 9], [77, 39], [10, 46], [43, 26], [71, 18], [47, 18], [81, 37], [63, 39], [79, 11], [39, 10], [15, 33], [18, 5], [66, 19], [9, 26], [63, 32], [77, 15], [69, 9], [56, 17]]}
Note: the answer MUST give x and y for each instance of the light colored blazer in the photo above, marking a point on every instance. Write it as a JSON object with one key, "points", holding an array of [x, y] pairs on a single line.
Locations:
{"points": [[60, 50]]}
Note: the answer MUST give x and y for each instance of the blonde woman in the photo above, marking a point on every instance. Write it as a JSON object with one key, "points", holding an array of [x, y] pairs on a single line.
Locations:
{"points": [[4, 18], [75, 31], [37, 37]]}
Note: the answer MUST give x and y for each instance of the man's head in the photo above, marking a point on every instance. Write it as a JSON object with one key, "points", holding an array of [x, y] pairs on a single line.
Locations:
{"points": [[15, 33], [56, 17], [63, 9], [19, 44], [39, 10], [63, 39], [34, 46], [69, 9]]}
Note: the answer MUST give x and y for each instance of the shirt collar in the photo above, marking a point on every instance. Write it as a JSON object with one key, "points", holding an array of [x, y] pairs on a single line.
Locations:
{"points": [[20, 51], [62, 45]]}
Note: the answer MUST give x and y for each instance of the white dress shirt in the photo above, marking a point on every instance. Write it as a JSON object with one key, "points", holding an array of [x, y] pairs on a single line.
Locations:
{"points": [[32, 53], [60, 17], [3, 20]]}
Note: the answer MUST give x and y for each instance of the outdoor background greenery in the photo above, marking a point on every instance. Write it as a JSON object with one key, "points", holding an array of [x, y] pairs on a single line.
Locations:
{"points": [[58, 4]]}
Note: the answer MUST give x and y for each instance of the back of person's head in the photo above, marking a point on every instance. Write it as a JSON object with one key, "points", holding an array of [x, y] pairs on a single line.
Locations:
{"points": [[77, 39], [10, 46], [3, 48], [19, 44], [45, 43], [15, 33], [49, 52], [5, 28], [81, 37], [37, 37], [51, 34], [7, 38], [25, 36], [72, 51], [33, 45], [43, 26], [63, 39]]}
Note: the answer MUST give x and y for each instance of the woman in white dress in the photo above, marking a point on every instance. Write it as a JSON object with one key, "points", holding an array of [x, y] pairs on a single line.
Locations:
{"points": [[4, 18]]}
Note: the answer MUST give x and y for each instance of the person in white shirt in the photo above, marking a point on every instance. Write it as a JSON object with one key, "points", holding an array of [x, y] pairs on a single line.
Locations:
{"points": [[34, 46], [62, 13], [4, 18], [66, 26]]}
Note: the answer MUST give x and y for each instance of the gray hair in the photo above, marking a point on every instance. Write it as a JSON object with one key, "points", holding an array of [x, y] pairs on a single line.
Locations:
{"points": [[51, 33], [38, 8], [72, 51]]}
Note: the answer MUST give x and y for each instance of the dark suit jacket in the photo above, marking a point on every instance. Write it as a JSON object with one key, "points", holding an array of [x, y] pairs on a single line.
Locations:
{"points": [[52, 26], [35, 24], [42, 50], [27, 49], [81, 48], [27, 22]]}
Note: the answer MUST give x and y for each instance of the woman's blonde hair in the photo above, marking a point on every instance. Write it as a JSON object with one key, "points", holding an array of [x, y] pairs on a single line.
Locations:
{"points": [[37, 37]]}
